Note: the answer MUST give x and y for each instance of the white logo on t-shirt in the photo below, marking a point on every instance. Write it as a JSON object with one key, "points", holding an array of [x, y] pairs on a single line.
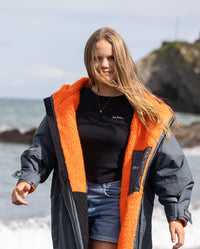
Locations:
{"points": [[117, 117]]}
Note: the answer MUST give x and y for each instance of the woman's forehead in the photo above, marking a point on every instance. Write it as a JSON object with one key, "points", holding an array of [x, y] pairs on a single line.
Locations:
{"points": [[103, 47]]}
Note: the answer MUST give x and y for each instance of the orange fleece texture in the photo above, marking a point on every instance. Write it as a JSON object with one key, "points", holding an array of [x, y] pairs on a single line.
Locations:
{"points": [[140, 138], [66, 102]]}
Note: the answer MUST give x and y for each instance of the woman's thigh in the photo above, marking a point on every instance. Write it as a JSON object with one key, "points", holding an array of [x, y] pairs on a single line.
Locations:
{"points": [[95, 244]]}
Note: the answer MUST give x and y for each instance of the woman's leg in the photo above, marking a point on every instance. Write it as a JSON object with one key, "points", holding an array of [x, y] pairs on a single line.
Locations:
{"points": [[96, 244]]}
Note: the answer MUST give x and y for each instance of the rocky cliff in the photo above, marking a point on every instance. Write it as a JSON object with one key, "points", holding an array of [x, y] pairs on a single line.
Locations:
{"points": [[173, 72]]}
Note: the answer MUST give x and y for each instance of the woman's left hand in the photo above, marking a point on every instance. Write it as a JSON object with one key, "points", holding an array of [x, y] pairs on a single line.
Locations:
{"points": [[176, 228]]}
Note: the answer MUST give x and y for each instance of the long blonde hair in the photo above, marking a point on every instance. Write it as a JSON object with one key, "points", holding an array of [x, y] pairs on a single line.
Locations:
{"points": [[126, 79]]}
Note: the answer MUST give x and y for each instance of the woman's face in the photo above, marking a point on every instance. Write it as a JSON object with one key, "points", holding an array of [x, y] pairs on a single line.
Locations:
{"points": [[105, 59]]}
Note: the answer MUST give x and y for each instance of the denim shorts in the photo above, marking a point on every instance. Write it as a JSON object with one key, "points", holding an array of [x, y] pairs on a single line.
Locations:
{"points": [[103, 211]]}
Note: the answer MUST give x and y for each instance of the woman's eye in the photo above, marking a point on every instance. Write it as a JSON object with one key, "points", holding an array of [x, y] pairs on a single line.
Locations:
{"points": [[111, 58], [98, 58]]}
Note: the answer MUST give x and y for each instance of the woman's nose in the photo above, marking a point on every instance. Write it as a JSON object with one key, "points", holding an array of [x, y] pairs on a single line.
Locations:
{"points": [[104, 63]]}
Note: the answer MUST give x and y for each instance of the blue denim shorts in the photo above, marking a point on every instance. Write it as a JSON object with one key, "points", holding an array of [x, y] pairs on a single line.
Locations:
{"points": [[103, 211]]}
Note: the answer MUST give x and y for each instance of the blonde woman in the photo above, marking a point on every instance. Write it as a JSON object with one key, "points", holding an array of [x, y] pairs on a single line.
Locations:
{"points": [[108, 140]]}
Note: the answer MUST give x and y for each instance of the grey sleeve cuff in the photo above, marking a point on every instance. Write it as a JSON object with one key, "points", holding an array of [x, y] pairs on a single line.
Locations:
{"points": [[23, 176], [174, 212]]}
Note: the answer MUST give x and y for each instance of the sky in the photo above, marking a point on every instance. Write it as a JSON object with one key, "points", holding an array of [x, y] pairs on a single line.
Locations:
{"points": [[42, 41]]}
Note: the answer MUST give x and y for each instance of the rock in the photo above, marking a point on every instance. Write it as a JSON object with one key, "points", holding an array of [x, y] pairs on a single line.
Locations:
{"points": [[15, 136], [172, 72], [188, 135]]}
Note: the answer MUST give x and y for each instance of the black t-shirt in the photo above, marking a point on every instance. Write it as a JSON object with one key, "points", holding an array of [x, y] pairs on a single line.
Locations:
{"points": [[103, 135]]}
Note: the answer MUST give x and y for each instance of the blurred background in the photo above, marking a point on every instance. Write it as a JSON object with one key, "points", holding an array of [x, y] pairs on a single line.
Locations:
{"points": [[41, 48]]}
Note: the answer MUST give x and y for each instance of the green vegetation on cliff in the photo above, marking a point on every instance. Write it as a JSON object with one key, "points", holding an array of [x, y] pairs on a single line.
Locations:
{"points": [[190, 53]]}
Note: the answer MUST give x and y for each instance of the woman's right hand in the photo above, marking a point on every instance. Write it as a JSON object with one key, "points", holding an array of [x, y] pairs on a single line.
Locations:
{"points": [[20, 191]]}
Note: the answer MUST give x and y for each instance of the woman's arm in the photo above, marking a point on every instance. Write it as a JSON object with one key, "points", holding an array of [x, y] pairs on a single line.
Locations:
{"points": [[172, 181], [36, 163]]}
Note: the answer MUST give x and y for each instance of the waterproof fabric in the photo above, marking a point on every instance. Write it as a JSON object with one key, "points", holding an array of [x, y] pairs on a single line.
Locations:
{"points": [[152, 165]]}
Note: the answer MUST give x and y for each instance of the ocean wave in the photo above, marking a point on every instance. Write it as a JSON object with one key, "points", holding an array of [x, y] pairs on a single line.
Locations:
{"points": [[23, 234], [34, 232], [4, 128], [195, 151]]}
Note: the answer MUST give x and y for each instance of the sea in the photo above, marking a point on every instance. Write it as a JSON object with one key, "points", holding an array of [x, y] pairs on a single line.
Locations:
{"points": [[23, 227]]}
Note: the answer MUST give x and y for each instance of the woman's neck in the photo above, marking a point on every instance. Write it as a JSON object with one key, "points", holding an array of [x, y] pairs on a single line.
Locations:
{"points": [[105, 90]]}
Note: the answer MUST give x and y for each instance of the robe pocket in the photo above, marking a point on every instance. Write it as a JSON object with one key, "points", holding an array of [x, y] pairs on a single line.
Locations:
{"points": [[137, 169]]}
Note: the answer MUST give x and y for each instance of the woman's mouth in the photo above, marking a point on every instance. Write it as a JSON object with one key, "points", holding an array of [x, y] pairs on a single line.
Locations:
{"points": [[107, 72]]}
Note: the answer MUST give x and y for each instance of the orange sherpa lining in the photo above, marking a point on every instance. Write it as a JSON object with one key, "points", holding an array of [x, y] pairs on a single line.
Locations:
{"points": [[140, 139], [66, 102]]}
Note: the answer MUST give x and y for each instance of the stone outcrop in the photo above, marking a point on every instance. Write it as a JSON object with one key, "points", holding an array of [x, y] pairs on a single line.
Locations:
{"points": [[15, 136], [172, 72]]}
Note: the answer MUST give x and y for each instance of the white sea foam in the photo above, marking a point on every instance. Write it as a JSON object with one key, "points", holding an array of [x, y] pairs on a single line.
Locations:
{"points": [[195, 151], [187, 118], [5, 128], [35, 233], [31, 233]]}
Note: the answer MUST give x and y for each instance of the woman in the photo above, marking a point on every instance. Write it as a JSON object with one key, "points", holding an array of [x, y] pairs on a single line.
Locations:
{"points": [[108, 140]]}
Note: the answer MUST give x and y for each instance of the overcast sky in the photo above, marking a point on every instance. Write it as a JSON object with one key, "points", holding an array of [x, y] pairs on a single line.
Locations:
{"points": [[42, 41]]}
